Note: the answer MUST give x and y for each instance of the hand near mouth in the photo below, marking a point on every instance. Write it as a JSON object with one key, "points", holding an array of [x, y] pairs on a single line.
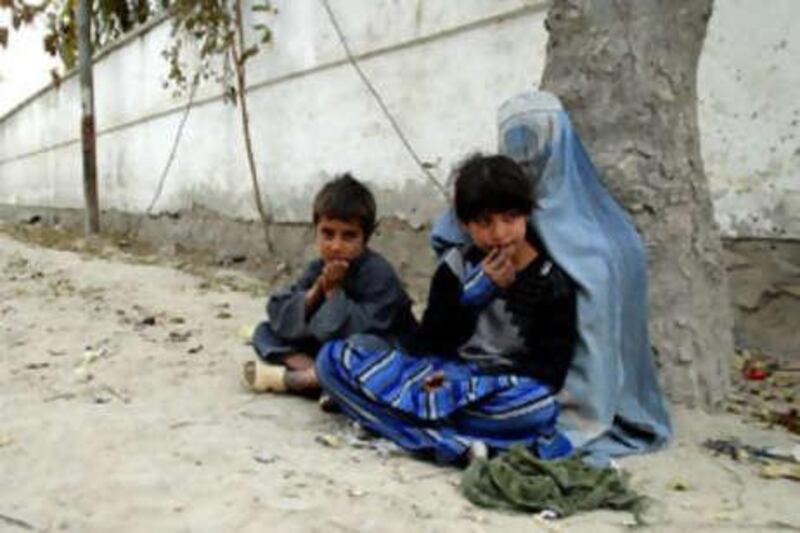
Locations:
{"points": [[333, 274], [499, 267]]}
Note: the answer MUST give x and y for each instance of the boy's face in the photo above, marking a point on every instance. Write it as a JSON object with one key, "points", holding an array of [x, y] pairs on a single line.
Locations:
{"points": [[501, 230], [339, 240]]}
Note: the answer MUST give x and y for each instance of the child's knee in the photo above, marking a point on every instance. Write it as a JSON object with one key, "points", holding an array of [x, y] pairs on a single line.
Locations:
{"points": [[262, 334]]}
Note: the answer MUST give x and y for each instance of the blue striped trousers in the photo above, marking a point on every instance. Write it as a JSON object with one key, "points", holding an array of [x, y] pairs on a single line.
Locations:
{"points": [[389, 392]]}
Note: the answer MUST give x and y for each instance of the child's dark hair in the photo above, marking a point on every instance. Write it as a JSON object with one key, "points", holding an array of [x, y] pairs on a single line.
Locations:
{"points": [[491, 184], [346, 198]]}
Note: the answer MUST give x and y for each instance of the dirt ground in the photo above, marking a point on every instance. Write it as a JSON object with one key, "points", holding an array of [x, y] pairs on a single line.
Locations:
{"points": [[122, 410]]}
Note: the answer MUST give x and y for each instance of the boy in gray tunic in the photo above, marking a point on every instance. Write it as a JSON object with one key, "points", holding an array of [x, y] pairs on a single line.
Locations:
{"points": [[349, 289]]}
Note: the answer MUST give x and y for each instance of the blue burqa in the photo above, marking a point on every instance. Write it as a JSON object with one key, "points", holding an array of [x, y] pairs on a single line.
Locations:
{"points": [[612, 401]]}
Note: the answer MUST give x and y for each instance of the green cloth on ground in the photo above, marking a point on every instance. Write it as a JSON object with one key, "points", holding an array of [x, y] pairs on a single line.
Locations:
{"points": [[517, 480]]}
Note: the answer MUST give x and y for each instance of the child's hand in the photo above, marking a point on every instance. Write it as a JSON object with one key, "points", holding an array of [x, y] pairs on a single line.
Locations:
{"points": [[333, 274], [498, 266], [314, 295], [434, 381]]}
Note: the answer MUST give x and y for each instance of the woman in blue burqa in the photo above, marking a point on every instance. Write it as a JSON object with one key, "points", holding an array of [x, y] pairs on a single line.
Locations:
{"points": [[610, 402]]}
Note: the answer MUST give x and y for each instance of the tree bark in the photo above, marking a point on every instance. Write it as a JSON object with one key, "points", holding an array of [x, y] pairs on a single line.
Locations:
{"points": [[88, 133], [627, 73], [239, 59]]}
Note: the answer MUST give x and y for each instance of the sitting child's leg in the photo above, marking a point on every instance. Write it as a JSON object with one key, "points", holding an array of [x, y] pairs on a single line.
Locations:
{"points": [[275, 351], [301, 377], [266, 344], [297, 361], [280, 371], [295, 374], [304, 382]]}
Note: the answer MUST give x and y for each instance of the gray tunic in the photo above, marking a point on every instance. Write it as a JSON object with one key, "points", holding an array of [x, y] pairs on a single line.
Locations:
{"points": [[371, 300]]}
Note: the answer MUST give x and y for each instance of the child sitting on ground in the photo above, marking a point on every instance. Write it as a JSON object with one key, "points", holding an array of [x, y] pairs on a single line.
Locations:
{"points": [[349, 289], [495, 343]]}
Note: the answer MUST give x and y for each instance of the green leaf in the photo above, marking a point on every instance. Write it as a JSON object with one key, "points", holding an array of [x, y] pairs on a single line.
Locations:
{"points": [[266, 7], [266, 33]]}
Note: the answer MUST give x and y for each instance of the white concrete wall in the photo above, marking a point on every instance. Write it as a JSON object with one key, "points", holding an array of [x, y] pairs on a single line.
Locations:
{"points": [[442, 67], [441, 70], [749, 90]]}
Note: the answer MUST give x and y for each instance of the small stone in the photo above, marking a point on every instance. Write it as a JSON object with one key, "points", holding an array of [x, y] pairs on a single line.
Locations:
{"points": [[179, 336], [547, 514], [794, 290], [83, 374], [775, 470], [246, 333], [231, 259], [90, 356], [265, 457], [331, 441], [678, 485]]}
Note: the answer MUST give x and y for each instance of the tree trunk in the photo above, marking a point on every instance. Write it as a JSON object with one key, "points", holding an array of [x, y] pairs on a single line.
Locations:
{"points": [[239, 60], [88, 133], [627, 73]]}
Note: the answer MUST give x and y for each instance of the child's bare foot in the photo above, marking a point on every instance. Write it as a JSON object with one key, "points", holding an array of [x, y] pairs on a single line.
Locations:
{"points": [[303, 382]]}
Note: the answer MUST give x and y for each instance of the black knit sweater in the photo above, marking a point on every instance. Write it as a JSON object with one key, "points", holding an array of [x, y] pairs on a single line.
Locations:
{"points": [[528, 329]]}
